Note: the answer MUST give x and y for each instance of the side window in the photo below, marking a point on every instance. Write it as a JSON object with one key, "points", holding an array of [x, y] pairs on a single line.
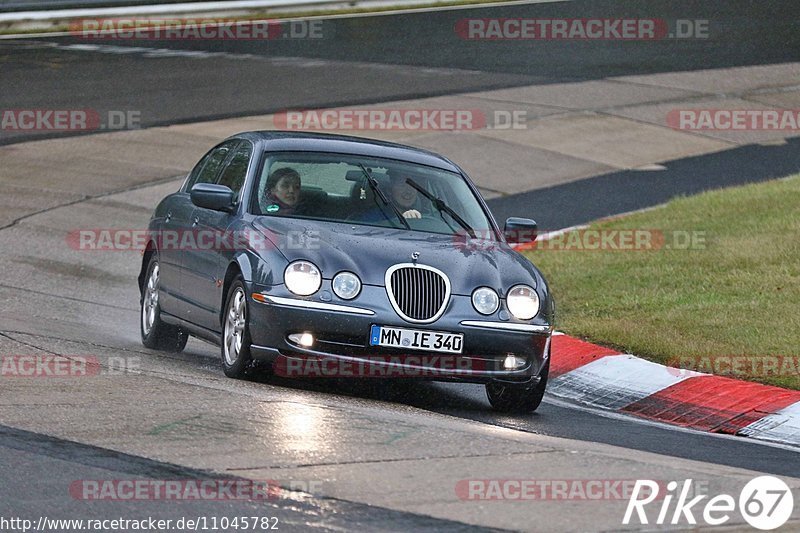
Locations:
{"points": [[234, 174], [195, 171], [206, 171]]}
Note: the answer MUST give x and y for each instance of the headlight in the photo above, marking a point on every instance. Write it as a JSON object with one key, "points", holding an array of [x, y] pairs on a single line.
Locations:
{"points": [[302, 278], [346, 285], [485, 300], [523, 302]]}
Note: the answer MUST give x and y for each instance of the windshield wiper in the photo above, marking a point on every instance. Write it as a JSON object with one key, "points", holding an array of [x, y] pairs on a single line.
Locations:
{"points": [[439, 204], [373, 184]]}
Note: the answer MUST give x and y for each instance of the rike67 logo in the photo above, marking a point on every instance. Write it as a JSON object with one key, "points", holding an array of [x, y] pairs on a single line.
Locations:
{"points": [[766, 503]]}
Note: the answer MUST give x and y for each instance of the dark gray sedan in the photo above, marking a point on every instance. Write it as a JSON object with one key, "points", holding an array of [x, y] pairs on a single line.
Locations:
{"points": [[333, 256]]}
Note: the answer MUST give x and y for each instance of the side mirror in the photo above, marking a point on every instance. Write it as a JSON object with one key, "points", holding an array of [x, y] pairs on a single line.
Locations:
{"points": [[520, 230], [211, 196]]}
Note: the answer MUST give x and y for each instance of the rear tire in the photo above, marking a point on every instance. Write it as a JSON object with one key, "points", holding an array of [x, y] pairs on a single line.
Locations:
{"points": [[235, 345], [507, 399], [156, 334]]}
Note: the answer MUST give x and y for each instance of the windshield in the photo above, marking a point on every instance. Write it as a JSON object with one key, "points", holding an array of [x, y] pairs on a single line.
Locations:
{"points": [[368, 191]]}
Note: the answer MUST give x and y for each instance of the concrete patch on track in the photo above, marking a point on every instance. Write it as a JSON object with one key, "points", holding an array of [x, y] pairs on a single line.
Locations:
{"points": [[592, 95], [722, 81], [513, 167], [614, 142]]}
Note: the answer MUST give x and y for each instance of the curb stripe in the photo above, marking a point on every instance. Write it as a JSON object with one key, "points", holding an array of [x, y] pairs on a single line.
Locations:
{"points": [[714, 403], [614, 381], [572, 353], [601, 377]]}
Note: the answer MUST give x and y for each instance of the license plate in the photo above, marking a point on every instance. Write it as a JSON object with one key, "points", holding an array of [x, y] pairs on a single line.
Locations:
{"points": [[415, 339]]}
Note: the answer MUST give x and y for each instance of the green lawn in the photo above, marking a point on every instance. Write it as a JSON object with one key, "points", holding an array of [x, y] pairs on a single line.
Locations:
{"points": [[734, 299]]}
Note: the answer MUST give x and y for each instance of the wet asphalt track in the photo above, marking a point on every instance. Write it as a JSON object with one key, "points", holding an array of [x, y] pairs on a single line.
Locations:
{"points": [[560, 420], [50, 465], [381, 58]]}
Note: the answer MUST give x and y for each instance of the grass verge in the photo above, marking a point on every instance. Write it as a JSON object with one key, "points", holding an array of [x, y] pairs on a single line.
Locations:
{"points": [[728, 304]]}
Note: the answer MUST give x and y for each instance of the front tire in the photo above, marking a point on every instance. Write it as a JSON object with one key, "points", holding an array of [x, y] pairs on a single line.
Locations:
{"points": [[156, 334], [235, 345], [508, 399]]}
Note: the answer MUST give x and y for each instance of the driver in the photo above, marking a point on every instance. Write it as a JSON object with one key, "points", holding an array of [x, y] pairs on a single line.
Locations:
{"points": [[404, 195], [400, 194]]}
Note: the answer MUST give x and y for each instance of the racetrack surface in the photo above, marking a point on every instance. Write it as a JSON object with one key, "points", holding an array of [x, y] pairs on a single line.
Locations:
{"points": [[582, 201], [379, 58], [388, 455], [62, 462]]}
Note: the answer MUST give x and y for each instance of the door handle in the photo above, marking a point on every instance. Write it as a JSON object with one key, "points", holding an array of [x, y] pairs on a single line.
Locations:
{"points": [[169, 216], [196, 221]]}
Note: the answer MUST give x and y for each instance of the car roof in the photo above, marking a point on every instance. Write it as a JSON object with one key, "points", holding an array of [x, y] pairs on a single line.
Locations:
{"points": [[290, 141]]}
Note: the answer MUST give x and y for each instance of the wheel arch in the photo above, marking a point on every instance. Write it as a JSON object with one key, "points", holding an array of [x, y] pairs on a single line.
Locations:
{"points": [[237, 267], [149, 251]]}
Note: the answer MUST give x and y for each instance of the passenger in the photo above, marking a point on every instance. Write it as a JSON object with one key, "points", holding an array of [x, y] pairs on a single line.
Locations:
{"points": [[282, 192]]}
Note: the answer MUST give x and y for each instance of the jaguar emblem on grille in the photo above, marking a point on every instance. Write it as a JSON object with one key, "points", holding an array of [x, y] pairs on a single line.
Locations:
{"points": [[414, 256]]}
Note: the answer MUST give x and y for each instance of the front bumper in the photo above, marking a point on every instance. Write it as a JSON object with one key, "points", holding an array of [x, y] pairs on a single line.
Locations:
{"points": [[341, 331]]}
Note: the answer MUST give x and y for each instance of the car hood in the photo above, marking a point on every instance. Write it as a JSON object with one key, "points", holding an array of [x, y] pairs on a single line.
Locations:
{"points": [[369, 251]]}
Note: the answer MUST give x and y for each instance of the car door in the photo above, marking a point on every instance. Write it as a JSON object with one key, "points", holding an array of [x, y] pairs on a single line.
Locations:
{"points": [[177, 213], [206, 263], [177, 222]]}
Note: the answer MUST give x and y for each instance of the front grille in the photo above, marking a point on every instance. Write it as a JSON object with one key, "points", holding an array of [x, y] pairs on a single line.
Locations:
{"points": [[417, 292]]}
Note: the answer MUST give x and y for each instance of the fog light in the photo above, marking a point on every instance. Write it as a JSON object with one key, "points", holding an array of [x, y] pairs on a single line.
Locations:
{"points": [[512, 362], [303, 339]]}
